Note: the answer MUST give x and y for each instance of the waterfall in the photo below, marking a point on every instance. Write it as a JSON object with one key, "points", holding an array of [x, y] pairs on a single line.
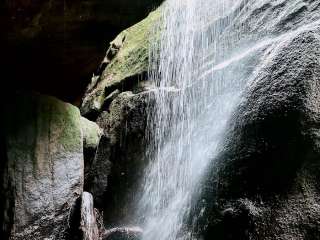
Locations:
{"points": [[198, 82]]}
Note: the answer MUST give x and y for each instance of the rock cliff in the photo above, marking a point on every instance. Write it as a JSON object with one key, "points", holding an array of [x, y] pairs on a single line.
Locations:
{"points": [[42, 171], [264, 183]]}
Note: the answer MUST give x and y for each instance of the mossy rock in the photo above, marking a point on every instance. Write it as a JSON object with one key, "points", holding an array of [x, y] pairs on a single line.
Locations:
{"points": [[132, 58], [91, 133], [43, 173], [129, 63]]}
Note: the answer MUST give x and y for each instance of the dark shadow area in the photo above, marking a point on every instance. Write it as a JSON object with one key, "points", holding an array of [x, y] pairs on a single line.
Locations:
{"points": [[54, 47]]}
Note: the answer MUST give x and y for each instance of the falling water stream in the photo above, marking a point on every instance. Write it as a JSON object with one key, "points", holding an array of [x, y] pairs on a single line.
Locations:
{"points": [[199, 67], [190, 112]]}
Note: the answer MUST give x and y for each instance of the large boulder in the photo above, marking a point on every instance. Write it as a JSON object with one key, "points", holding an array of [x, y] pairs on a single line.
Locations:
{"points": [[120, 156], [117, 99], [265, 185], [88, 220], [124, 233], [124, 68], [92, 134], [42, 173], [270, 17]]}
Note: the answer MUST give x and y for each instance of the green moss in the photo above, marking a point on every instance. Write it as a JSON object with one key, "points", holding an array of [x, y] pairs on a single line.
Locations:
{"points": [[131, 60], [91, 133], [40, 129], [65, 125]]}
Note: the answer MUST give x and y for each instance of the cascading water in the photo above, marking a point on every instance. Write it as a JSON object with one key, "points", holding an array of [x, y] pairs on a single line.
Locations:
{"points": [[196, 90]]}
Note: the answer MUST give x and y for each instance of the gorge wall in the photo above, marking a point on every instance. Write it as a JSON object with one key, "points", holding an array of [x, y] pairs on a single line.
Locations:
{"points": [[42, 172], [264, 183]]}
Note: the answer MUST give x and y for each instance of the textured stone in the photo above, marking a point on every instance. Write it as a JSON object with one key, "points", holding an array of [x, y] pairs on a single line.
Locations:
{"points": [[88, 221], [120, 156], [129, 233], [91, 133], [266, 183], [125, 69], [44, 169]]}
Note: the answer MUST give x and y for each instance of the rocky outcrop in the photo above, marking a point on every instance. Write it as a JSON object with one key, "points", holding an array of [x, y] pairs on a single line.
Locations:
{"points": [[120, 156], [129, 233], [266, 184], [88, 219], [124, 67], [122, 114], [91, 138], [274, 17], [42, 171], [91, 134]]}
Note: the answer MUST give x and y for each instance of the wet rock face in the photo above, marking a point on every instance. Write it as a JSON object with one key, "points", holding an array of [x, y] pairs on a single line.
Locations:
{"points": [[129, 233], [266, 184], [275, 17], [117, 99], [88, 220], [43, 172], [124, 67], [62, 40], [120, 159]]}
